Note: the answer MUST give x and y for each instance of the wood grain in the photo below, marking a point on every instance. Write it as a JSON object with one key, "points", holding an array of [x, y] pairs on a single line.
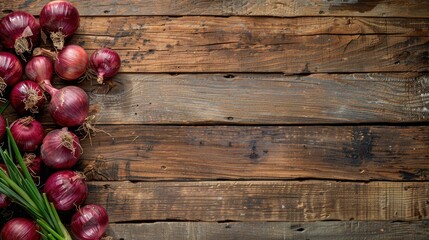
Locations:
{"points": [[259, 99], [262, 200], [279, 8], [139, 152], [326, 230], [209, 44]]}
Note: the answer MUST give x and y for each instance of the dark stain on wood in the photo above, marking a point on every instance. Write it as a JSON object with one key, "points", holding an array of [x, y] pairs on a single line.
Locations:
{"points": [[360, 148], [254, 156], [353, 5], [418, 174]]}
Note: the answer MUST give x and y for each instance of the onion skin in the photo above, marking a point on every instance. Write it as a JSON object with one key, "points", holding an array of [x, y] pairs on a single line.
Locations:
{"points": [[89, 222], [19, 30], [105, 62], [10, 69], [27, 97], [59, 20], [4, 200], [20, 229], [60, 149], [28, 133], [33, 163], [71, 62], [39, 68], [66, 189]]}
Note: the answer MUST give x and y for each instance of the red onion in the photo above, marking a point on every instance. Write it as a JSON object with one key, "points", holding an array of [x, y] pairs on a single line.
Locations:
{"points": [[39, 68], [60, 149], [27, 97], [70, 63], [19, 30], [2, 126], [89, 222], [4, 200], [105, 62], [59, 20], [66, 189], [10, 70], [33, 163], [28, 133], [20, 229]]}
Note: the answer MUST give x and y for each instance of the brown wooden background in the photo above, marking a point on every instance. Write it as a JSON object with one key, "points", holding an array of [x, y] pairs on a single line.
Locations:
{"points": [[259, 119]]}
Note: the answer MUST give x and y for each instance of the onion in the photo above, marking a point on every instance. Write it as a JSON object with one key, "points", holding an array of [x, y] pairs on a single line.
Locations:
{"points": [[20, 229], [10, 70], [105, 62], [60, 149], [89, 222], [28, 133], [69, 106], [2, 126], [70, 63], [39, 68], [33, 163], [4, 200], [59, 20], [66, 189], [19, 30], [27, 97]]}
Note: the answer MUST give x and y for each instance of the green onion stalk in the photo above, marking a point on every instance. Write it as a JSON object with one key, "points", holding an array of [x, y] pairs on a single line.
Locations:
{"points": [[21, 188]]}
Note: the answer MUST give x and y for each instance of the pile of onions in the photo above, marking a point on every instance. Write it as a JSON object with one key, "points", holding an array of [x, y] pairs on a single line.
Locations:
{"points": [[28, 133], [105, 62], [19, 30], [66, 189], [10, 70], [27, 97], [89, 222], [60, 149], [59, 20], [20, 228]]}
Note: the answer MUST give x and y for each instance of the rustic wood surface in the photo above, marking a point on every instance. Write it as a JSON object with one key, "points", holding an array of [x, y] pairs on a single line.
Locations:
{"points": [[238, 44], [278, 8], [258, 119], [364, 153], [262, 200], [327, 230], [259, 99]]}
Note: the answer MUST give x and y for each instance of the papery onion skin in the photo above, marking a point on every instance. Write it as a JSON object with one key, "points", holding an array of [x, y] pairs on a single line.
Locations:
{"points": [[10, 69], [71, 62], [59, 20], [105, 62], [39, 68], [4, 200], [19, 30], [33, 163], [28, 133], [27, 97], [66, 189], [60, 149], [20, 229], [89, 222]]}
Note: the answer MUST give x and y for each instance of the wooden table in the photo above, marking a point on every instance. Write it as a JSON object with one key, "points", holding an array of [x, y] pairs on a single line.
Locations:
{"points": [[259, 119]]}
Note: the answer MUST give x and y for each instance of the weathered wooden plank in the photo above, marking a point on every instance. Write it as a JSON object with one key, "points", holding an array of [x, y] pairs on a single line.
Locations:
{"points": [[261, 99], [271, 152], [327, 230], [262, 200], [280, 8], [208, 44]]}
